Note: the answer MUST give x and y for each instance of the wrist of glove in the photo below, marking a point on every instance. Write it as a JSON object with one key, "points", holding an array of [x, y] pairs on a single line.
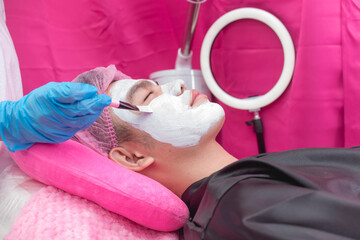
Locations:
{"points": [[52, 113]]}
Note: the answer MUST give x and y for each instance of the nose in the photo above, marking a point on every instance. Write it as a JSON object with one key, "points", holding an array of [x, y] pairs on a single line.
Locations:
{"points": [[182, 89], [175, 88]]}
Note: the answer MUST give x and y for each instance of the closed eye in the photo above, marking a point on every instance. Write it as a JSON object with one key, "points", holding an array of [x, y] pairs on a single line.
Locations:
{"points": [[148, 95], [143, 93]]}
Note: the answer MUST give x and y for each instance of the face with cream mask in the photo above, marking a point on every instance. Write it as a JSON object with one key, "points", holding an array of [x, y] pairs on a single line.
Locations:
{"points": [[180, 117]]}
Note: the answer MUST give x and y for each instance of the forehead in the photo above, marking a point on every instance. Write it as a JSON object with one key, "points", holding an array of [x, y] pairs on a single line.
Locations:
{"points": [[141, 84], [119, 89], [123, 90]]}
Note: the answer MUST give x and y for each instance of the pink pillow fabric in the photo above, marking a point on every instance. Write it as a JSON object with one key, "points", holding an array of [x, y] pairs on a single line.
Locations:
{"points": [[80, 171], [68, 217]]}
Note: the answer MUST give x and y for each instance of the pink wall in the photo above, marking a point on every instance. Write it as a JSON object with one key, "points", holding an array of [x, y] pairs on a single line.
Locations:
{"points": [[57, 40]]}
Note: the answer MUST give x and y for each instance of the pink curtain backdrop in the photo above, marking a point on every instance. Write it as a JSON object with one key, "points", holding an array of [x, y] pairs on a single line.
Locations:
{"points": [[57, 40]]}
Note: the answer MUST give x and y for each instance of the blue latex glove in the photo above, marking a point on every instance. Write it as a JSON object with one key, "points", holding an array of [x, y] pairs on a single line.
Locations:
{"points": [[52, 113]]}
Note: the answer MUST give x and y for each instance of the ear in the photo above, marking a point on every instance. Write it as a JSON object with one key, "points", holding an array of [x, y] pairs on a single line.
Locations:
{"points": [[131, 159]]}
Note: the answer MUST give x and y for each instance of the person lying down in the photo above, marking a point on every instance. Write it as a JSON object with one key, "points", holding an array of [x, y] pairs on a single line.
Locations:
{"points": [[298, 194]]}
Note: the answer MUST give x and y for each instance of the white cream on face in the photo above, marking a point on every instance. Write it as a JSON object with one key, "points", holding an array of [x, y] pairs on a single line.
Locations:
{"points": [[173, 121]]}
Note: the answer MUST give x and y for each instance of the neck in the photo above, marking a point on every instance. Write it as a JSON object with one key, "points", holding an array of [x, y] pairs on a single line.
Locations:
{"points": [[195, 164]]}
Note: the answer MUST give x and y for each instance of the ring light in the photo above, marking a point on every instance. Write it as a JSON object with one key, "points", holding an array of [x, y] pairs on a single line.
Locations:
{"points": [[289, 58]]}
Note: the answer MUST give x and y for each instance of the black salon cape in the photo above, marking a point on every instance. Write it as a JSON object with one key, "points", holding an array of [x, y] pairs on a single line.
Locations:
{"points": [[300, 194]]}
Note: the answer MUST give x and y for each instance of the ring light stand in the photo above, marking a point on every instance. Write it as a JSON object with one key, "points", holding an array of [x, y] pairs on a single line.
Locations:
{"points": [[253, 104], [183, 68]]}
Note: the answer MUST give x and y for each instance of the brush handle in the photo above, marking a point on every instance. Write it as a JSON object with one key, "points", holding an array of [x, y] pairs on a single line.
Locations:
{"points": [[123, 105]]}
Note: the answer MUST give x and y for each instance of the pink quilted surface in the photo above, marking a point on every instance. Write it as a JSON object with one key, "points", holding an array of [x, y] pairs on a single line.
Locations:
{"points": [[54, 214]]}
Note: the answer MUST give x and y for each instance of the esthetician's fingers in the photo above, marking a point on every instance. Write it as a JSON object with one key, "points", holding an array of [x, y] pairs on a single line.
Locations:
{"points": [[67, 92], [90, 106]]}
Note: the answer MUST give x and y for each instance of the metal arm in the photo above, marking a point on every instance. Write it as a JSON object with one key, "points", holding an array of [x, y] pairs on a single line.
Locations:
{"points": [[190, 25]]}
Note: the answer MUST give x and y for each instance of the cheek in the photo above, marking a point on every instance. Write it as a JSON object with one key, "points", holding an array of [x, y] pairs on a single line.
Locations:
{"points": [[183, 127], [126, 115], [166, 105]]}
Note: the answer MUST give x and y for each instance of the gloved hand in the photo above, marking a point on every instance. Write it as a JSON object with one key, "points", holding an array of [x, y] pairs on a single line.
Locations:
{"points": [[52, 113]]}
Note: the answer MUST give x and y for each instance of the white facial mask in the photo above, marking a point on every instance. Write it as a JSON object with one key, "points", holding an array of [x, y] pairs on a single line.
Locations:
{"points": [[172, 120]]}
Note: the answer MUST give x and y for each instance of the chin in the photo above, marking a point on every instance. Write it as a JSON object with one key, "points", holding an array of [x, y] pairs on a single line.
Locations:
{"points": [[218, 126], [213, 131]]}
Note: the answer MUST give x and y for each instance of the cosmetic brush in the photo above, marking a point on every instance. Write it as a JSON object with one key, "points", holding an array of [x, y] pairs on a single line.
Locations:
{"points": [[128, 106]]}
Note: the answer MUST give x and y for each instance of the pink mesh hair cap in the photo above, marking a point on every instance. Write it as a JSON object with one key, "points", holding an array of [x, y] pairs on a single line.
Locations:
{"points": [[100, 136]]}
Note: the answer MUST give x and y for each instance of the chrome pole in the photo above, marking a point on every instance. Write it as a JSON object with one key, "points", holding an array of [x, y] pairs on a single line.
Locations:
{"points": [[190, 25]]}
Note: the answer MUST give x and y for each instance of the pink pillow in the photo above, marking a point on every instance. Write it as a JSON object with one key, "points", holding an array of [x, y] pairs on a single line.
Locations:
{"points": [[79, 170]]}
